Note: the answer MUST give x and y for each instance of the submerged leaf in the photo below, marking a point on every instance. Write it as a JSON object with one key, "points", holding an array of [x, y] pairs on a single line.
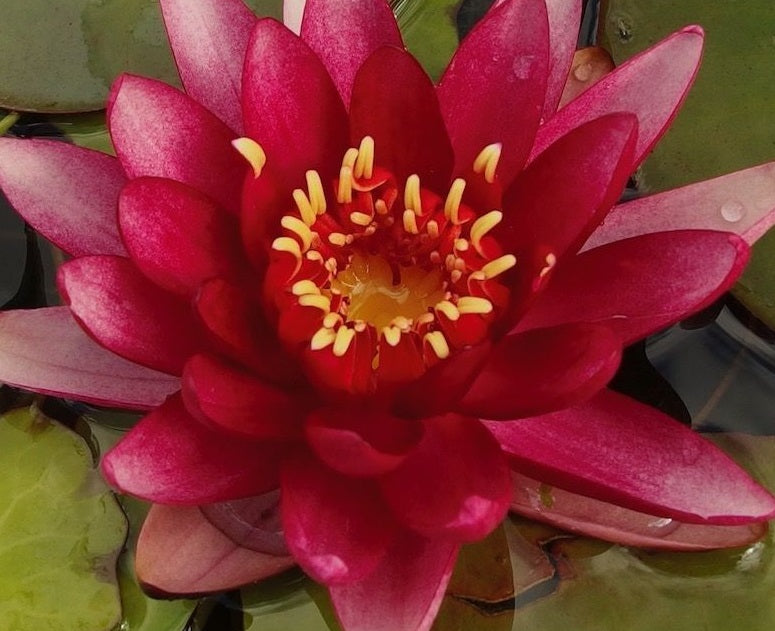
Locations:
{"points": [[61, 530]]}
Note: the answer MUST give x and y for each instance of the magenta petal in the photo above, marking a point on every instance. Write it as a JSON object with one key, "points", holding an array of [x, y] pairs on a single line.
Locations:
{"points": [[44, 350], [159, 131], [171, 458], [543, 370], [556, 202], [336, 527], [394, 102], [128, 314], [454, 485], [209, 39], [361, 442], [640, 285], [403, 592], [741, 202], [651, 85], [618, 450], [495, 85], [307, 128], [238, 402], [177, 236], [358, 27], [564, 23], [67, 193], [179, 552], [595, 518]]}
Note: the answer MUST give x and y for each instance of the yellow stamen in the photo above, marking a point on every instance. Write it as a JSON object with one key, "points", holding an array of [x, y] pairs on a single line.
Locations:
{"points": [[331, 320], [344, 192], [359, 326], [454, 198], [487, 161], [314, 255], [304, 287], [474, 304], [412, 199], [338, 239], [360, 219], [299, 228], [252, 152], [381, 207], [498, 266], [426, 318], [448, 309], [456, 275], [432, 227], [306, 211], [392, 335], [317, 301], [364, 165], [438, 343], [402, 323], [317, 196], [551, 261], [482, 226], [410, 222], [344, 337], [322, 338], [287, 244], [350, 156]]}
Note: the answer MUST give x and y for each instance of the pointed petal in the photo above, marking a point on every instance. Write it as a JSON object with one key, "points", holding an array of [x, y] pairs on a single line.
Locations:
{"points": [[618, 450], [209, 39], [741, 202], [543, 370], [556, 202], [395, 103], [128, 314], [179, 552], [601, 520], [159, 131], [293, 10], [44, 350], [494, 88], [564, 24], [651, 85], [359, 28], [403, 592], [307, 128], [237, 402], [336, 527], [456, 454], [66, 193], [643, 284], [171, 458], [177, 236]]}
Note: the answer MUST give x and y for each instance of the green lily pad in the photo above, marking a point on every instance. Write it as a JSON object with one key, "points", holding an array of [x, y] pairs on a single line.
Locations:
{"points": [[62, 56], [727, 122], [61, 530]]}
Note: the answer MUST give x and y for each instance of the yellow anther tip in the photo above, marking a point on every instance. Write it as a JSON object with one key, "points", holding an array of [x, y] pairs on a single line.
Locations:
{"points": [[252, 152]]}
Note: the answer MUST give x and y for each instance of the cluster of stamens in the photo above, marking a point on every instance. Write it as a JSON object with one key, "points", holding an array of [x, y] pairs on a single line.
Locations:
{"points": [[393, 282]]}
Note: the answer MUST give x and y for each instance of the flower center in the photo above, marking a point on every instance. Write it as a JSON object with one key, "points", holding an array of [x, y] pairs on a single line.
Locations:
{"points": [[372, 284]]}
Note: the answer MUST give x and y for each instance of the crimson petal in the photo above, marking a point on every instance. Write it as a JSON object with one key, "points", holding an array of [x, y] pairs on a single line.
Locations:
{"points": [[44, 350], [179, 552], [651, 85], [159, 131], [494, 88], [403, 592], [360, 27], [171, 458], [394, 102], [238, 402], [543, 370], [741, 202], [127, 313], [640, 285], [595, 518], [66, 193], [307, 128], [209, 39], [618, 450], [454, 484], [336, 527]]}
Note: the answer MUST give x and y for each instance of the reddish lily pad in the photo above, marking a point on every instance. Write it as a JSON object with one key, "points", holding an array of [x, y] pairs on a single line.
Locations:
{"points": [[63, 56], [60, 530]]}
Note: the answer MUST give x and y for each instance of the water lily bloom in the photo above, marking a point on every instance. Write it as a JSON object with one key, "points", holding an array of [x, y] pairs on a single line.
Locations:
{"points": [[367, 314]]}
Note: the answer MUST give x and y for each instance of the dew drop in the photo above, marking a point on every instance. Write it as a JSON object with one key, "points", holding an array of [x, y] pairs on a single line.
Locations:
{"points": [[732, 211]]}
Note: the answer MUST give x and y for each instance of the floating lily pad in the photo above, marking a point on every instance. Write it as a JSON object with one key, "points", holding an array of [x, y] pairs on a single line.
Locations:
{"points": [[60, 530], [62, 56], [727, 122]]}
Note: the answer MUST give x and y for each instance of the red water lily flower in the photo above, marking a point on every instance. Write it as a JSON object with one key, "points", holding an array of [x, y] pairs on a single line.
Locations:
{"points": [[369, 313]]}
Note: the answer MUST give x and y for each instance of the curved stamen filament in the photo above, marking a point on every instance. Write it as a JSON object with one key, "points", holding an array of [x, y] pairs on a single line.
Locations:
{"points": [[344, 192], [307, 212], [299, 228], [252, 152], [412, 199], [482, 226], [438, 343], [474, 304], [344, 337], [364, 164], [487, 161], [498, 266], [454, 198], [317, 196]]}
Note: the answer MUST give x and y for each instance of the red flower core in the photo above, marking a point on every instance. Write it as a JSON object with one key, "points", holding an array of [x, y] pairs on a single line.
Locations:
{"points": [[377, 284]]}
